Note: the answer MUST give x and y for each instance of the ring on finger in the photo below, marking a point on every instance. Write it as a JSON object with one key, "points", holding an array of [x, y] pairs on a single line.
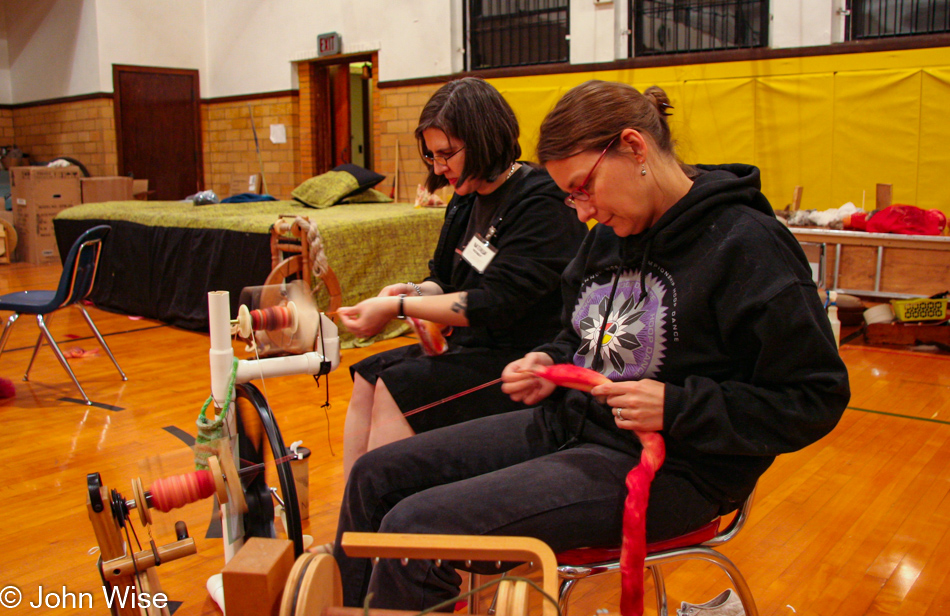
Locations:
{"points": [[617, 413]]}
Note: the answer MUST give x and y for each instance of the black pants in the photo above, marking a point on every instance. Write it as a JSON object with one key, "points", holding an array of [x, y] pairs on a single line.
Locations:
{"points": [[499, 475]]}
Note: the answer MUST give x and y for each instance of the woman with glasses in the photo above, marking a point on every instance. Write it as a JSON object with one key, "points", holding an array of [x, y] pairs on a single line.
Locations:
{"points": [[696, 304], [494, 277]]}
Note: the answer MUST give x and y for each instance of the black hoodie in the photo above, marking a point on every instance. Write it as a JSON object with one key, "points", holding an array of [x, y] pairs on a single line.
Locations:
{"points": [[716, 301]]}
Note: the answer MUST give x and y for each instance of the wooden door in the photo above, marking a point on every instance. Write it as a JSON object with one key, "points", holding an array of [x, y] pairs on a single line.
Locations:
{"points": [[157, 124], [331, 90]]}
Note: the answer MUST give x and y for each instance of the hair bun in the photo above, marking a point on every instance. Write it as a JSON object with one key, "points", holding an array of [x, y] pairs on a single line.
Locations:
{"points": [[659, 99]]}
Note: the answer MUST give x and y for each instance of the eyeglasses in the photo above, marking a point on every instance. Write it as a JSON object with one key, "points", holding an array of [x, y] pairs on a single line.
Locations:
{"points": [[581, 193], [442, 160]]}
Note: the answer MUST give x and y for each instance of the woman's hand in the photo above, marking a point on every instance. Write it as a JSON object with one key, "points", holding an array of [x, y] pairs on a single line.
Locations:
{"points": [[370, 316], [639, 403], [400, 288], [519, 382]]}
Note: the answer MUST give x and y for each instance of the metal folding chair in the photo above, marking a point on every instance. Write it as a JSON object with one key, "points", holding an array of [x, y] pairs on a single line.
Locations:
{"points": [[79, 274]]}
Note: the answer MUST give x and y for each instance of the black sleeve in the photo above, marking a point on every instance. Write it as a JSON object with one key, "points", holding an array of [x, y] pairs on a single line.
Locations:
{"points": [[799, 385]]}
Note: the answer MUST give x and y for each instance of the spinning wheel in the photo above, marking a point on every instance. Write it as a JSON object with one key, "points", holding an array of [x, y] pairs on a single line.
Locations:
{"points": [[260, 445], [326, 289]]}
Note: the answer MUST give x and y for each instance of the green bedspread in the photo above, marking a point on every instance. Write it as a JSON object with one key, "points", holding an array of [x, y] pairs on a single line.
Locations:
{"points": [[368, 245]]}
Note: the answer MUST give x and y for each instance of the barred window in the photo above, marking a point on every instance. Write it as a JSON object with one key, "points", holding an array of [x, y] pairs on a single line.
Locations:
{"points": [[516, 32], [679, 26], [871, 19]]}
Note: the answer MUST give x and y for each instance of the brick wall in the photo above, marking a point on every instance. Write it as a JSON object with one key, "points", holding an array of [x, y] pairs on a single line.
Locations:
{"points": [[229, 148], [6, 127], [84, 130], [396, 112]]}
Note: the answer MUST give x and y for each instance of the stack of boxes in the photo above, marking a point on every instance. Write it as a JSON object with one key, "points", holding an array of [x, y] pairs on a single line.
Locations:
{"points": [[39, 194]]}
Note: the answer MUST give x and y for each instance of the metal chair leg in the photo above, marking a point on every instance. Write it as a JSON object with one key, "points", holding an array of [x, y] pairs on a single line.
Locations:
{"points": [[564, 595], [102, 342], [7, 329], [36, 347], [59, 356], [659, 586]]}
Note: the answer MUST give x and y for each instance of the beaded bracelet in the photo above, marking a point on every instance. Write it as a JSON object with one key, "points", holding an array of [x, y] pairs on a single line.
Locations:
{"points": [[415, 287]]}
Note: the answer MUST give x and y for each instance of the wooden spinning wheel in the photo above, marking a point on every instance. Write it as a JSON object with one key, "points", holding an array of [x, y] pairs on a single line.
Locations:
{"points": [[297, 266]]}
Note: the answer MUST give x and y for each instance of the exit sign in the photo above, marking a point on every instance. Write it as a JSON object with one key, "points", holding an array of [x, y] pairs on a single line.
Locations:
{"points": [[329, 44]]}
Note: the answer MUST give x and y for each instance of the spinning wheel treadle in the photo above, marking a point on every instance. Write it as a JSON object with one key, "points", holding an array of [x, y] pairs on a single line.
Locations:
{"points": [[260, 442]]}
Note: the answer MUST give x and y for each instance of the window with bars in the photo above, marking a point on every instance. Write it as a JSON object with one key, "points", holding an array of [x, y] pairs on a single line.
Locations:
{"points": [[680, 26], [516, 32], [871, 19]]}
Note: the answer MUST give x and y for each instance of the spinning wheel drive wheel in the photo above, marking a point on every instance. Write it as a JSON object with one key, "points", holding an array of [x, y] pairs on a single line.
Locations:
{"points": [[328, 295], [260, 443]]}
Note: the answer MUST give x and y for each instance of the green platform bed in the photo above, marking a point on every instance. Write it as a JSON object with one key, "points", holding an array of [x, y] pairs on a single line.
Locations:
{"points": [[163, 257]]}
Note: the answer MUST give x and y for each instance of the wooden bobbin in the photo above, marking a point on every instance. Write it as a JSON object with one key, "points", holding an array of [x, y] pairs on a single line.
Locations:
{"points": [[138, 493], [227, 481]]}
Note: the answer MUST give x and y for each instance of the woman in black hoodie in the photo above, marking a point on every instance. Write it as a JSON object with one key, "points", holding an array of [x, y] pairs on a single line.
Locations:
{"points": [[690, 297]]}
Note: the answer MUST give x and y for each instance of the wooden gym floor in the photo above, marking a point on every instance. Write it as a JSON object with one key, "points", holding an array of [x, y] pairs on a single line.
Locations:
{"points": [[857, 524]]}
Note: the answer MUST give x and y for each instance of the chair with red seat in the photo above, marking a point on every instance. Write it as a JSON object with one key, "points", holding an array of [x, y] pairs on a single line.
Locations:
{"points": [[579, 564]]}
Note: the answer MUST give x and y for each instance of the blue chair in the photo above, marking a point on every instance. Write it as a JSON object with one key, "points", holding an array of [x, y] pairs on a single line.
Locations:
{"points": [[79, 274]]}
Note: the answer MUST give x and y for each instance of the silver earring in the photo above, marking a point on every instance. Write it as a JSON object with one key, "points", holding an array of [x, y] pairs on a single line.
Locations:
{"points": [[643, 169]]}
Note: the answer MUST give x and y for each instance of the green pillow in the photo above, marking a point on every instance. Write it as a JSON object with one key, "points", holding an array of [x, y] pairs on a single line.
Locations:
{"points": [[326, 189], [370, 195]]}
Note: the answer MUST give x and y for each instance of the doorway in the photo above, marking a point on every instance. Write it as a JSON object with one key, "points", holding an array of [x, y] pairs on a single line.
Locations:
{"points": [[157, 125], [341, 122]]}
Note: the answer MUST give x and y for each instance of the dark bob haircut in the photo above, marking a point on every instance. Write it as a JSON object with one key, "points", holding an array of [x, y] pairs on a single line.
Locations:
{"points": [[474, 112]]}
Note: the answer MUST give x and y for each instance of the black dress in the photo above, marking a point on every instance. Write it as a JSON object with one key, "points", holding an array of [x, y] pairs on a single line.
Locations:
{"points": [[512, 307]]}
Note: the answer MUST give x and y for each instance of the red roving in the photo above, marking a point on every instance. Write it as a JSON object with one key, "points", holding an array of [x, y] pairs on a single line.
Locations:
{"points": [[569, 375], [633, 550], [173, 492]]}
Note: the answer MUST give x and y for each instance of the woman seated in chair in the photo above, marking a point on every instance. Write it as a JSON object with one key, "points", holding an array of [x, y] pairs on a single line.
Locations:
{"points": [[690, 297], [502, 302]]}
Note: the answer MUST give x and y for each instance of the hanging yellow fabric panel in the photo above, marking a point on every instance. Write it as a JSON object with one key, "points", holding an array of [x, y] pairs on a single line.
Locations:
{"points": [[876, 136], [714, 123], [794, 119], [933, 189]]}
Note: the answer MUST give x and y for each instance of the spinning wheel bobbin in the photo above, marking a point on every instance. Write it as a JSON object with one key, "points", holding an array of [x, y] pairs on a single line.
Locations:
{"points": [[143, 500], [248, 321]]}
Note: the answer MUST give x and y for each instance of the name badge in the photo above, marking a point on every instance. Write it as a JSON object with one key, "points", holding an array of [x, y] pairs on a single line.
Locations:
{"points": [[479, 253]]}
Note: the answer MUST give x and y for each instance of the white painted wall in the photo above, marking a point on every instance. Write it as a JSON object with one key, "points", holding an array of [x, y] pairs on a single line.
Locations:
{"points": [[6, 96], [52, 48], [166, 33], [595, 30], [59, 48], [804, 23]]}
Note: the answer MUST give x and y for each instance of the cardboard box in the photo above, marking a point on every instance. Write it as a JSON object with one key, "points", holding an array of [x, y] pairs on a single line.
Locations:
{"points": [[246, 184], [39, 194], [106, 188]]}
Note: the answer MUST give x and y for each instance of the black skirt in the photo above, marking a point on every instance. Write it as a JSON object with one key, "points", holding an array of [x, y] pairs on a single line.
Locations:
{"points": [[414, 379]]}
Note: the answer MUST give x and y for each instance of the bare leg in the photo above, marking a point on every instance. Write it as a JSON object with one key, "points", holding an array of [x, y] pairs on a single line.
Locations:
{"points": [[356, 427], [388, 423]]}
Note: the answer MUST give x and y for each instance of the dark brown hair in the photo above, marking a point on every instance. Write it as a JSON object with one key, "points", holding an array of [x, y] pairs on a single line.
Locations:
{"points": [[474, 112], [593, 113]]}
